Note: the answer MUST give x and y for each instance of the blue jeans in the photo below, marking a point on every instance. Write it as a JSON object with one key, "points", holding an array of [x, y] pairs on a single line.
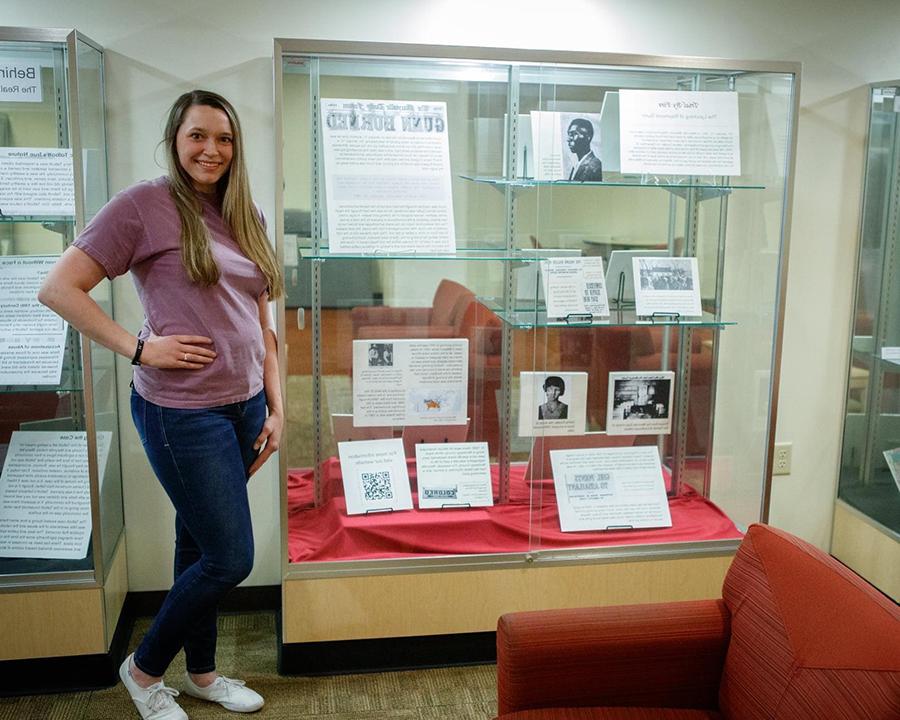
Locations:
{"points": [[201, 458]]}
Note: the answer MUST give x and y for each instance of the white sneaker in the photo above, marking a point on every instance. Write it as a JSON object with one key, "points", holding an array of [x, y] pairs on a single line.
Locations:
{"points": [[156, 702], [231, 694]]}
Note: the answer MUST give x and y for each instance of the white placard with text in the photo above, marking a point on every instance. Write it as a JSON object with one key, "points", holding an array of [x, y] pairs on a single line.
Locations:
{"points": [[45, 497], [32, 337], [374, 475], [610, 488], [453, 475], [410, 382], [387, 177], [37, 181], [666, 286], [20, 81], [574, 286], [892, 457], [668, 132]]}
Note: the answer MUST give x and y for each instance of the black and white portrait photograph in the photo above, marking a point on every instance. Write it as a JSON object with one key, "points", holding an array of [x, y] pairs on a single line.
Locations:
{"points": [[381, 354], [640, 403], [552, 403], [553, 408], [581, 147]]}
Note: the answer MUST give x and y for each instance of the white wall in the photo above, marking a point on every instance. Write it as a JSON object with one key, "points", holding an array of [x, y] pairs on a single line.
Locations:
{"points": [[156, 50]]}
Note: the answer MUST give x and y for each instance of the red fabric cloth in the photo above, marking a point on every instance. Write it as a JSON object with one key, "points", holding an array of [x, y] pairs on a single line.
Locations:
{"points": [[327, 533]]}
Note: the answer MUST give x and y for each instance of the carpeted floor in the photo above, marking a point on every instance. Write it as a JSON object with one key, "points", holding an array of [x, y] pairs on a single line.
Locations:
{"points": [[247, 650]]}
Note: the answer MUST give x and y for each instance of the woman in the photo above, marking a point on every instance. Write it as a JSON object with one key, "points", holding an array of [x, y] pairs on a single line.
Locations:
{"points": [[206, 398], [554, 408]]}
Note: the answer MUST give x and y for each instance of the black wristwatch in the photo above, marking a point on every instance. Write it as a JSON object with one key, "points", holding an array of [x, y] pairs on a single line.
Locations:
{"points": [[136, 360]]}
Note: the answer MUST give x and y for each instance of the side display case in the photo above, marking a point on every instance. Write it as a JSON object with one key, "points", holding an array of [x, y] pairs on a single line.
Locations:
{"points": [[62, 558], [474, 424], [867, 515]]}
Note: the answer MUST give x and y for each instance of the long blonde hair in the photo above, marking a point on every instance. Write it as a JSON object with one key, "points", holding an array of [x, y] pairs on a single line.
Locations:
{"points": [[238, 210]]}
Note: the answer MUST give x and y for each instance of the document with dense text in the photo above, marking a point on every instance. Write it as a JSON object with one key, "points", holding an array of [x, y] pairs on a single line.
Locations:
{"points": [[387, 177], [453, 475], [610, 488], [32, 337], [45, 496], [669, 132], [410, 382]]}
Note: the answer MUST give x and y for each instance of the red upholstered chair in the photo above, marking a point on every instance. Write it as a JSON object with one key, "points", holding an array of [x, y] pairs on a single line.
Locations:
{"points": [[441, 320], [796, 636]]}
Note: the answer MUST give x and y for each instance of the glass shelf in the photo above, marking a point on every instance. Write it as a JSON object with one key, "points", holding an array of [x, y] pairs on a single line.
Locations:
{"points": [[496, 254], [524, 318], [891, 366], [68, 385], [865, 352], [636, 181], [50, 219], [863, 344]]}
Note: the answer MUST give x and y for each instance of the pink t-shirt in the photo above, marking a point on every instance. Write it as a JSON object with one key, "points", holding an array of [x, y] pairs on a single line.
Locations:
{"points": [[140, 230]]}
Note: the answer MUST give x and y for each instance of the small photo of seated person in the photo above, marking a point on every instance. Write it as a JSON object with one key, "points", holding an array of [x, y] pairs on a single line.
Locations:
{"points": [[649, 400], [553, 409]]}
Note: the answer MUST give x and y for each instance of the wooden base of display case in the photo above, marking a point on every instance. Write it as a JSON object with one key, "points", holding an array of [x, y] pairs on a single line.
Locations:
{"points": [[363, 623], [866, 548], [64, 638]]}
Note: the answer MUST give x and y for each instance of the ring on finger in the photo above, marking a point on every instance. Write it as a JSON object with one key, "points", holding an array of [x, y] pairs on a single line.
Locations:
{"points": [[185, 357]]}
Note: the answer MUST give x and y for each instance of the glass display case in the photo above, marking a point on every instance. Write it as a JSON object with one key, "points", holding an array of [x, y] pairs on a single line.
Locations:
{"points": [[61, 517], [432, 197], [869, 482]]}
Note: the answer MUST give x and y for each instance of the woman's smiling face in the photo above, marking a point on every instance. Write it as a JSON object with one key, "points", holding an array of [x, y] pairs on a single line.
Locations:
{"points": [[204, 143]]}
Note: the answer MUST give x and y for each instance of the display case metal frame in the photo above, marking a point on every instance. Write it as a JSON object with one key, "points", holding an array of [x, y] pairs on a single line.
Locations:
{"points": [[886, 281], [68, 119], [517, 59]]}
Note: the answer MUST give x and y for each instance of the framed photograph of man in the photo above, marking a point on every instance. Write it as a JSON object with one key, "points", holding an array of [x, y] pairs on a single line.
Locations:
{"points": [[640, 403], [566, 146], [581, 147]]}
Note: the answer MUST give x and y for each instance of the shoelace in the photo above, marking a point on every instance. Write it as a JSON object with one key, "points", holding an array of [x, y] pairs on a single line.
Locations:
{"points": [[161, 697], [229, 683]]}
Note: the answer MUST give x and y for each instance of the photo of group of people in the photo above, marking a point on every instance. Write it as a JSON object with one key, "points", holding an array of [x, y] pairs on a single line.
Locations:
{"points": [[668, 274], [381, 354]]}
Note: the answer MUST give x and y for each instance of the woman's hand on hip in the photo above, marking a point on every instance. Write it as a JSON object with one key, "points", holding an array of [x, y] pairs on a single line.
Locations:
{"points": [[268, 440], [177, 352]]}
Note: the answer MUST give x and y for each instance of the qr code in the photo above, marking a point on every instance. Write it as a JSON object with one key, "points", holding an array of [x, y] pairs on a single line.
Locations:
{"points": [[593, 291], [377, 485]]}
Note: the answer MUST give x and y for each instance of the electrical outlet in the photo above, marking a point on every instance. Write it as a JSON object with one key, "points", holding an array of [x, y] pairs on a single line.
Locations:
{"points": [[781, 463]]}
